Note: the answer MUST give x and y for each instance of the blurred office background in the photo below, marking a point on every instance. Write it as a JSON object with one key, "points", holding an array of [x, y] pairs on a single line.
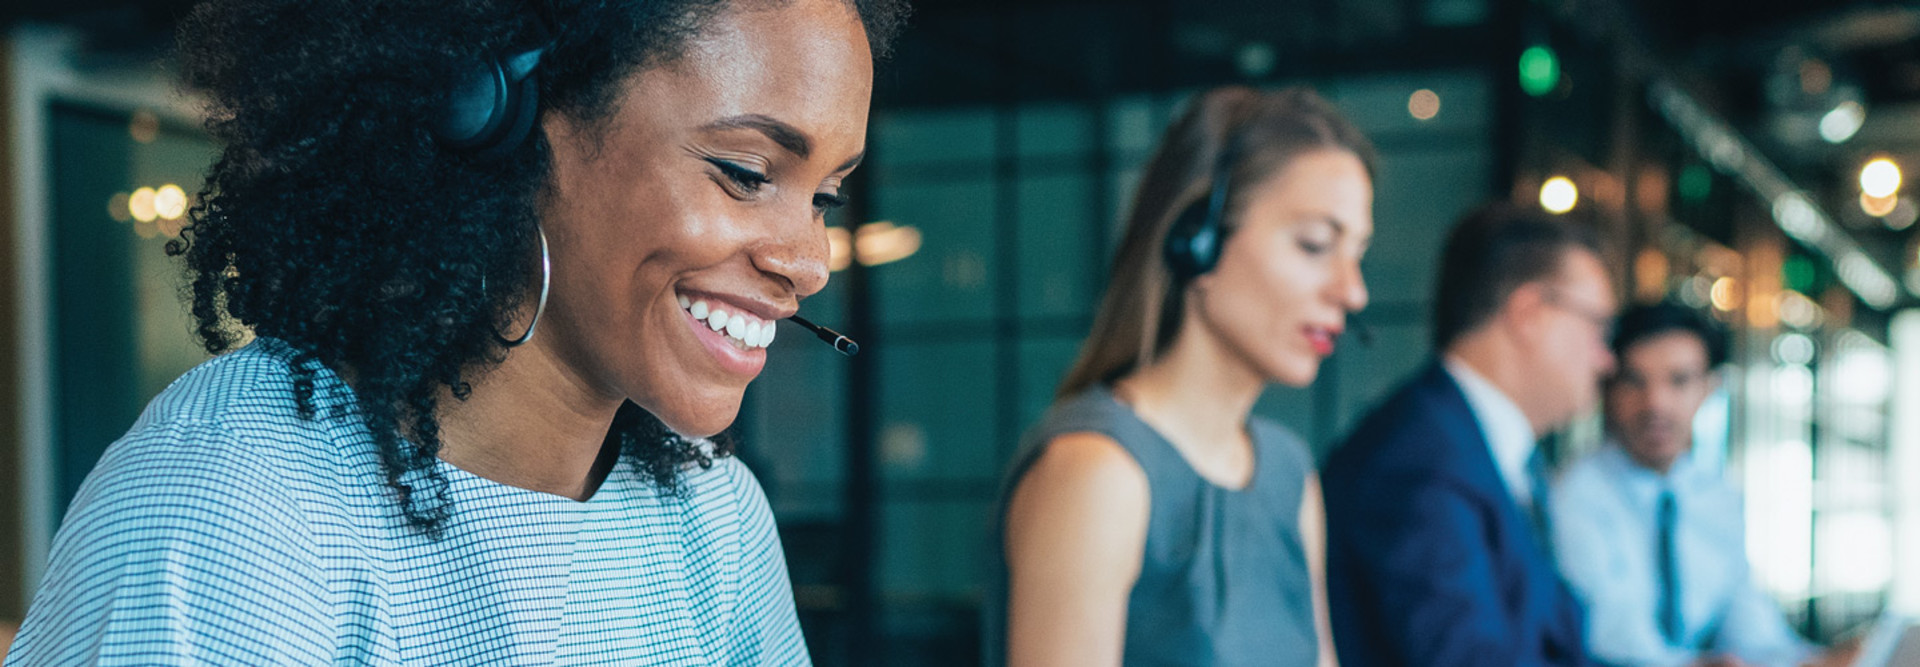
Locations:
{"points": [[1742, 156]]}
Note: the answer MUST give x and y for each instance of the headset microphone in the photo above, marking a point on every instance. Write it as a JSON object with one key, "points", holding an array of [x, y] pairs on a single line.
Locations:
{"points": [[840, 343]]}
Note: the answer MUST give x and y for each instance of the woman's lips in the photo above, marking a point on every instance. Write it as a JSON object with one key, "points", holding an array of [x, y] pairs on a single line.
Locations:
{"points": [[1322, 340], [730, 353]]}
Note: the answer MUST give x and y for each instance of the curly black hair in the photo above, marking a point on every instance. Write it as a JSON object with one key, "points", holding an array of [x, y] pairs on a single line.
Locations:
{"points": [[333, 221]]}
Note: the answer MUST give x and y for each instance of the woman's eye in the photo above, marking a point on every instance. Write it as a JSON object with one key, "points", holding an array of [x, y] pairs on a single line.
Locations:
{"points": [[746, 179], [827, 201], [1314, 247]]}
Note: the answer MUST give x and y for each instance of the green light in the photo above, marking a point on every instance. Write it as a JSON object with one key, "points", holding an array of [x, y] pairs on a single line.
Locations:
{"points": [[1695, 183], [1539, 70], [1799, 274]]}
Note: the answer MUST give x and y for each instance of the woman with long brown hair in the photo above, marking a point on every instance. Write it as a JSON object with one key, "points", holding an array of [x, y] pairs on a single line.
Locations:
{"points": [[1150, 519]]}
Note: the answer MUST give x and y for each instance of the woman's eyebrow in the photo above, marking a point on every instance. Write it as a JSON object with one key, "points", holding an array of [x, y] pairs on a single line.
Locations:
{"points": [[787, 136]]}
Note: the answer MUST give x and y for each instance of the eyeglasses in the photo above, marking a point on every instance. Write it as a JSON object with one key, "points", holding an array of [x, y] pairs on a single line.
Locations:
{"points": [[1601, 321]]}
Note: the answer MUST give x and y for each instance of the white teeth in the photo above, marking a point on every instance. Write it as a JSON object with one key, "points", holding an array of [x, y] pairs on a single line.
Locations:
{"points": [[749, 331]]}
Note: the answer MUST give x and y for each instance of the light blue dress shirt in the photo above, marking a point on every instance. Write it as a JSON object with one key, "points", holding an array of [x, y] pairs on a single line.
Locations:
{"points": [[1606, 539]]}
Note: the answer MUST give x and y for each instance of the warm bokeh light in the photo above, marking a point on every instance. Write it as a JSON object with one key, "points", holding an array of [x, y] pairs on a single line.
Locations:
{"points": [[1758, 289], [144, 127], [1878, 207], [1559, 195], [141, 205], [117, 207], [873, 244], [877, 243], [170, 202], [1650, 274], [1722, 294], [1423, 104], [839, 249], [170, 227], [1880, 177], [1816, 77]]}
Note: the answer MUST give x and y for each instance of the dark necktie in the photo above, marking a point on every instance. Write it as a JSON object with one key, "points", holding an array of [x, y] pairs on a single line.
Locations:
{"points": [[1669, 571], [1537, 480]]}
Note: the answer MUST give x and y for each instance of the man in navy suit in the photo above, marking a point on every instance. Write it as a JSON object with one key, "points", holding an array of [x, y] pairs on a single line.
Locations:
{"points": [[1435, 504]]}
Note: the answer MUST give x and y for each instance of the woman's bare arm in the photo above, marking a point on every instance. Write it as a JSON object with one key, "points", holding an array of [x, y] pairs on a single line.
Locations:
{"points": [[1313, 537], [1076, 531]]}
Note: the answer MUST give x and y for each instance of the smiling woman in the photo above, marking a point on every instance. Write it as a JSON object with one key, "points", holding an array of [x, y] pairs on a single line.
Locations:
{"points": [[388, 466]]}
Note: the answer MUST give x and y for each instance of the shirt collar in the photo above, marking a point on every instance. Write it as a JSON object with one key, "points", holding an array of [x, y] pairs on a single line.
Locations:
{"points": [[1509, 434], [1645, 483]]}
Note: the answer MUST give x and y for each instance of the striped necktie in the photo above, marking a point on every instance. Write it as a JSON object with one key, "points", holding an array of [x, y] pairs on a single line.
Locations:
{"points": [[1670, 627]]}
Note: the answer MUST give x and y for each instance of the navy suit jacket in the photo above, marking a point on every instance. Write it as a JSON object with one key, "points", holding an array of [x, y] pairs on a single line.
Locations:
{"points": [[1429, 559]]}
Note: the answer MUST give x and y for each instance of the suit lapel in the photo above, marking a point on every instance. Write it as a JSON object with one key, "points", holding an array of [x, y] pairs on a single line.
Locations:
{"points": [[1471, 460]]}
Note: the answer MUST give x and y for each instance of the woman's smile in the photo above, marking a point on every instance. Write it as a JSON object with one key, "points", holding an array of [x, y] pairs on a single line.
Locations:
{"points": [[730, 330]]}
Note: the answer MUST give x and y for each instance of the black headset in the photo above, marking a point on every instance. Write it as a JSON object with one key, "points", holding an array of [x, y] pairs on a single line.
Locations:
{"points": [[1192, 246], [490, 110]]}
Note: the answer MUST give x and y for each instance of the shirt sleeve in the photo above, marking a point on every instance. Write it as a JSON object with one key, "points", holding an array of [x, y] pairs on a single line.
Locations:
{"points": [[180, 549], [1621, 625], [769, 629]]}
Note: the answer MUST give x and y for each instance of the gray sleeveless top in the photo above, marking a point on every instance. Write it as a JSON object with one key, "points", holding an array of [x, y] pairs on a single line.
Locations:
{"points": [[1224, 578]]}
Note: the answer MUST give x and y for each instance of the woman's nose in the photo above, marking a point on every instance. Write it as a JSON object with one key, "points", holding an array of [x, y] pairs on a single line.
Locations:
{"points": [[797, 255]]}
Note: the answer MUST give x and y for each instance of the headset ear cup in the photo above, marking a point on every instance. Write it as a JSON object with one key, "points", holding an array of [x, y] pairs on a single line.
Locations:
{"points": [[1192, 247], [491, 110], [1206, 246], [1193, 243], [475, 108], [1185, 248], [522, 108]]}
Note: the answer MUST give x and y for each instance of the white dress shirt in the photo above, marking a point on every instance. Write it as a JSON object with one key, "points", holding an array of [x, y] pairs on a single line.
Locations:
{"points": [[1509, 434], [1606, 534]]}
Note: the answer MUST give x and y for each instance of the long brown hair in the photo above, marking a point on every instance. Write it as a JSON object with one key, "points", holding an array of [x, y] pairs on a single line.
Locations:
{"points": [[1262, 132]]}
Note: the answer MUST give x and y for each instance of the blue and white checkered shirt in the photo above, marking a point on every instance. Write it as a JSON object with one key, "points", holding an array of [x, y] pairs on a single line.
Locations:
{"points": [[225, 529]]}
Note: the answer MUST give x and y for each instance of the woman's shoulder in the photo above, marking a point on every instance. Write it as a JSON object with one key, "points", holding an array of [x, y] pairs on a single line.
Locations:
{"points": [[228, 432], [250, 384], [246, 401], [1091, 462], [213, 427], [180, 509], [1092, 418]]}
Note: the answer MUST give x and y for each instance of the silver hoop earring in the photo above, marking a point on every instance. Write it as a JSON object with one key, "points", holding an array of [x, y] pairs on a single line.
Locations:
{"points": [[546, 282]]}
